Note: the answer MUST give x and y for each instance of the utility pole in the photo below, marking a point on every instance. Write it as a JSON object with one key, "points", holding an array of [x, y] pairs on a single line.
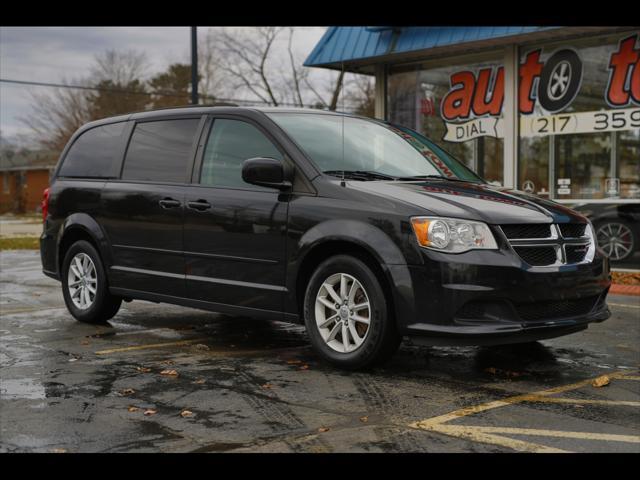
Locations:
{"points": [[194, 65]]}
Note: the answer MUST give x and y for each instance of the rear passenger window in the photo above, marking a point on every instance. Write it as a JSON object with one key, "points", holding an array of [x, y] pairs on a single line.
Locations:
{"points": [[160, 151], [230, 143], [93, 152]]}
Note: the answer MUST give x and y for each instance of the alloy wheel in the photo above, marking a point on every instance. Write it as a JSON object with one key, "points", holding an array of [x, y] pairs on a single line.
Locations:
{"points": [[616, 240], [343, 312], [82, 281]]}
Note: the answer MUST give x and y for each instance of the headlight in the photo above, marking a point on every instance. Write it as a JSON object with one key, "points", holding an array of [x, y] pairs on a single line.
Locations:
{"points": [[452, 235]]}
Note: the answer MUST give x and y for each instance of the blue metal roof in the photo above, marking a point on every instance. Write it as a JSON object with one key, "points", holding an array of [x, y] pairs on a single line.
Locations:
{"points": [[345, 44]]}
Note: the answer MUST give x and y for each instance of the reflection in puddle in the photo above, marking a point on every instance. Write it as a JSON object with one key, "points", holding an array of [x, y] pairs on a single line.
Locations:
{"points": [[21, 388]]}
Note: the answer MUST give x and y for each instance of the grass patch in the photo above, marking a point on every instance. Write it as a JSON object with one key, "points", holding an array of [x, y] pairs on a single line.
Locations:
{"points": [[20, 243]]}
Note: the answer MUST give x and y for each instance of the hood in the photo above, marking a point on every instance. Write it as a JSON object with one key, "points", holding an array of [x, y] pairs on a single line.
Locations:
{"points": [[471, 201]]}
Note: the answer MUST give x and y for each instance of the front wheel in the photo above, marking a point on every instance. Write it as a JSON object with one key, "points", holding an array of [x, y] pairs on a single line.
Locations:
{"points": [[84, 285], [347, 316]]}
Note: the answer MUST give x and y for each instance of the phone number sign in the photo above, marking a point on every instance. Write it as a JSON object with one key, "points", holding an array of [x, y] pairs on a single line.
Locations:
{"points": [[540, 126]]}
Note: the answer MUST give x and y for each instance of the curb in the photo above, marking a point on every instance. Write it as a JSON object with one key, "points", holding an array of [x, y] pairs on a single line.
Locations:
{"points": [[617, 289]]}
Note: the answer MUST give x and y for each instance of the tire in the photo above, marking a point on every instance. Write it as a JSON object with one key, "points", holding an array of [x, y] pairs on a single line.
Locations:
{"points": [[617, 239], [379, 340], [101, 306]]}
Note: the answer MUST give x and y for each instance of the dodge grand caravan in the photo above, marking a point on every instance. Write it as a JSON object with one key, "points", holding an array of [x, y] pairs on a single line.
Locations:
{"points": [[364, 231]]}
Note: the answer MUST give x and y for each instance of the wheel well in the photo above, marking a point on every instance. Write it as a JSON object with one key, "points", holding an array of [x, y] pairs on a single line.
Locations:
{"points": [[71, 236], [327, 249]]}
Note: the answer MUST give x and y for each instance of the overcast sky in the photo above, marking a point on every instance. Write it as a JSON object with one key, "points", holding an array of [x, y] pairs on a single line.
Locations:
{"points": [[55, 54]]}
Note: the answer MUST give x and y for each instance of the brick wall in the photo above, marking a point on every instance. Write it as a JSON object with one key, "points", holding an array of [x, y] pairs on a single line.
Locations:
{"points": [[21, 191]]}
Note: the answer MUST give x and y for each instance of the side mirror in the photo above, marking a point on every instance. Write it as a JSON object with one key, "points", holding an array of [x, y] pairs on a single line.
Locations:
{"points": [[267, 172]]}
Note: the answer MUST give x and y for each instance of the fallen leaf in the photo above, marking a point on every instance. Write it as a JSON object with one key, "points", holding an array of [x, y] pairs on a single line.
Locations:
{"points": [[323, 429], [601, 381], [364, 419], [304, 367], [58, 450], [186, 413], [578, 406], [132, 408], [127, 391], [143, 369], [200, 381], [267, 385], [167, 362], [169, 373], [150, 411], [201, 346]]}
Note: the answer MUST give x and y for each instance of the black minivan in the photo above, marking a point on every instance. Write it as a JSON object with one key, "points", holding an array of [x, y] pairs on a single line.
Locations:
{"points": [[365, 231]]}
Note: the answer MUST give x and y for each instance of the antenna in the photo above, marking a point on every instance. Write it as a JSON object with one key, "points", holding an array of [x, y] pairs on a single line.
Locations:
{"points": [[341, 91]]}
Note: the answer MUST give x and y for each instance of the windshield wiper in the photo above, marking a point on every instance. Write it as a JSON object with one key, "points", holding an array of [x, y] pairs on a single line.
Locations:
{"points": [[360, 174], [439, 177]]}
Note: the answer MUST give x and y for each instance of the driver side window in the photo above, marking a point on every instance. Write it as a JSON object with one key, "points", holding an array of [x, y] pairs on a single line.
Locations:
{"points": [[230, 143]]}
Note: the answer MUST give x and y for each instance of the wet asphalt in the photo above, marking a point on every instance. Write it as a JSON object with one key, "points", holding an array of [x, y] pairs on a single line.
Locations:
{"points": [[248, 385]]}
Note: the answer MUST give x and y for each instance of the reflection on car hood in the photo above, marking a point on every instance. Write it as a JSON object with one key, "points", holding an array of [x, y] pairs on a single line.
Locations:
{"points": [[473, 201]]}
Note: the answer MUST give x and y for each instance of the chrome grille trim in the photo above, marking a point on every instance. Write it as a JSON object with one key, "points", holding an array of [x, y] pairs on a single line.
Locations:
{"points": [[559, 242]]}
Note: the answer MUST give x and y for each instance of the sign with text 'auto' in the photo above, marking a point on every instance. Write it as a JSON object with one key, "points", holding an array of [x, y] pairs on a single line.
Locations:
{"points": [[473, 105]]}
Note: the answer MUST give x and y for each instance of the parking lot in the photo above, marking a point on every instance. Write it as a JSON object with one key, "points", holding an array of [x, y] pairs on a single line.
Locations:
{"points": [[161, 378]]}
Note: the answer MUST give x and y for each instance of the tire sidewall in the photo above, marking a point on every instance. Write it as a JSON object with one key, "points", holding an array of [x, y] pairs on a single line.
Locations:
{"points": [[379, 315], [93, 313]]}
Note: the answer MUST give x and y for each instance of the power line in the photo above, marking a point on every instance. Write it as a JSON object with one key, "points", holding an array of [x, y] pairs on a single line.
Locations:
{"points": [[137, 92]]}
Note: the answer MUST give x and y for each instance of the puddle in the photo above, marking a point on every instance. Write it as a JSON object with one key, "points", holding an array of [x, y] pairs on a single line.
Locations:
{"points": [[21, 388]]}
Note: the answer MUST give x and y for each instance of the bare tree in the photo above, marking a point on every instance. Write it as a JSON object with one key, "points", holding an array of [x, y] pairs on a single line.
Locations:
{"points": [[244, 55], [214, 81], [55, 116], [120, 68]]}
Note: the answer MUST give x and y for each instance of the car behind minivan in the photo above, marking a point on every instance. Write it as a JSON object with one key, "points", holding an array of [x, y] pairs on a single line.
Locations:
{"points": [[364, 231]]}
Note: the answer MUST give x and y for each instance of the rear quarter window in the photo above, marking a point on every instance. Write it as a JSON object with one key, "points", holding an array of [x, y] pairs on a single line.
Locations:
{"points": [[92, 153]]}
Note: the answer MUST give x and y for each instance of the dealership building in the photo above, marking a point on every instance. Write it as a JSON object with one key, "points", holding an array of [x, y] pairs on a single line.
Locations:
{"points": [[550, 110]]}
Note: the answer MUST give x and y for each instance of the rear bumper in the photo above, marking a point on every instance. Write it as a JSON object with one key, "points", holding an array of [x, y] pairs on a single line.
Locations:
{"points": [[491, 297]]}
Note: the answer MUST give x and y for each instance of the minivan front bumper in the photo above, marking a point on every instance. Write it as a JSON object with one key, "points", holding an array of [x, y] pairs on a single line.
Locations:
{"points": [[492, 297]]}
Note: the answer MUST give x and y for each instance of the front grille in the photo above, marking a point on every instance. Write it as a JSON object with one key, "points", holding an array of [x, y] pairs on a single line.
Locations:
{"points": [[537, 256], [532, 312], [576, 253], [539, 230], [547, 244], [572, 230]]}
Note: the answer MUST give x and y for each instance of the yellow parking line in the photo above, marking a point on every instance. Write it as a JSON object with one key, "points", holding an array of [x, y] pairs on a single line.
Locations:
{"points": [[608, 437], [476, 435], [584, 401], [151, 345], [463, 412], [487, 434]]}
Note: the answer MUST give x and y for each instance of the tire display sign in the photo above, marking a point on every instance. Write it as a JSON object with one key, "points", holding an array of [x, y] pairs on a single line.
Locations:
{"points": [[473, 105]]}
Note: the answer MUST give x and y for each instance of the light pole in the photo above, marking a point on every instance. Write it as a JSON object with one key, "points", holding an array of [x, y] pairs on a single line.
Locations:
{"points": [[194, 65]]}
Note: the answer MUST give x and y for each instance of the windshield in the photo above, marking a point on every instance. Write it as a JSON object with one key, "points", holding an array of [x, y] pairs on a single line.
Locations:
{"points": [[370, 147]]}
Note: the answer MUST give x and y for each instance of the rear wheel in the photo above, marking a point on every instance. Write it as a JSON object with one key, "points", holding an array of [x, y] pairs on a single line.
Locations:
{"points": [[84, 285], [347, 316]]}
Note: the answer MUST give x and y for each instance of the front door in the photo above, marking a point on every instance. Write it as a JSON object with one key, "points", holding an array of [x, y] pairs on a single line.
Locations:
{"points": [[234, 232]]}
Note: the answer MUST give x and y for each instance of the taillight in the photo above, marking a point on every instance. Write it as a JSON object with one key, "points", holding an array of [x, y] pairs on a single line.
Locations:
{"points": [[45, 204]]}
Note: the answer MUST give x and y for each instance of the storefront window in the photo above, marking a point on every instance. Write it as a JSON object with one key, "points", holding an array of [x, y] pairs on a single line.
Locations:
{"points": [[457, 106], [580, 119]]}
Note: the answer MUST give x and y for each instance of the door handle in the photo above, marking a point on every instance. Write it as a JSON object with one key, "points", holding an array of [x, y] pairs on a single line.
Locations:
{"points": [[169, 203], [199, 205]]}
